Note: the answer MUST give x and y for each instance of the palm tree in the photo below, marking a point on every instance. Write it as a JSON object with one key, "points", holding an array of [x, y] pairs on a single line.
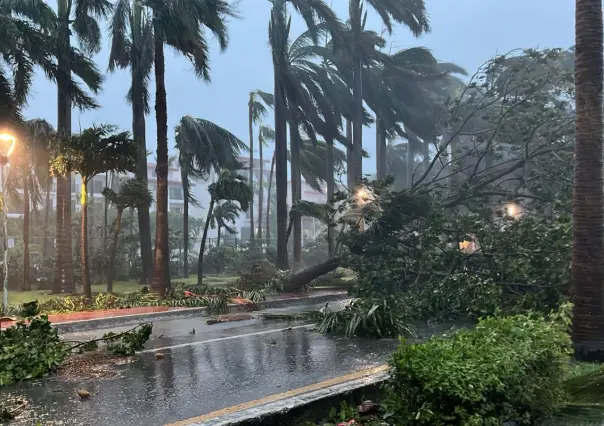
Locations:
{"points": [[257, 105], [132, 194], [181, 27], [132, 47], [32, 165], [230, 186], [268, 200], [287, 93], [94, 151], [224, 214], [203, 147], [588, 200], [77, 17], [266, 134], [411, 13]]}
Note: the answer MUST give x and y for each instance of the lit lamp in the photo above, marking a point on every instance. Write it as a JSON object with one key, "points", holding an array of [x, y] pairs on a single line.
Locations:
{"points": [[7, 145], [513, 210]]}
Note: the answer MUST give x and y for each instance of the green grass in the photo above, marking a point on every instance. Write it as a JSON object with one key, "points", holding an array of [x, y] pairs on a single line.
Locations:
{"points": [[15, 298]]}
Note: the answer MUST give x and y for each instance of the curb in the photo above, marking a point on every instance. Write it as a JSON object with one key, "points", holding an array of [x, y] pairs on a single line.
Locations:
{"points": [[312, 404], [133, 319]]}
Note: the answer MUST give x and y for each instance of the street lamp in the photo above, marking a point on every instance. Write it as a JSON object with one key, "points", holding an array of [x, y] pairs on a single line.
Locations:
{"points": [[7, 143]]}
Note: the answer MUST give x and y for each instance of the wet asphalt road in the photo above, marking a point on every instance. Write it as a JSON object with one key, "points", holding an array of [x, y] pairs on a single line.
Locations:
{"points": [[217, 367]]}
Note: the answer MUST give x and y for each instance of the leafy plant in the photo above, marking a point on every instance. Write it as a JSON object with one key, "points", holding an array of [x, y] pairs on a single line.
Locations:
{"points": [[126, 344], [30, 350], [505, 369]]}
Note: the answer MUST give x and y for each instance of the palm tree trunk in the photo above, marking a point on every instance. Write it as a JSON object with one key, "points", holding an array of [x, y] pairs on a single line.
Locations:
{"points": [[105, 225], [26, 280], [380, 140], [203, 244], [140, 136], [63, 280], [218, 239], [161, 271], [251, 166], [357, 125], [268, 201], [281, 172], [47, 207], [84, 240], [330, 191], [294, 143], [116, 233], [349, 157], [587, 267], [410, 162], [260, 188], [185, 223]]}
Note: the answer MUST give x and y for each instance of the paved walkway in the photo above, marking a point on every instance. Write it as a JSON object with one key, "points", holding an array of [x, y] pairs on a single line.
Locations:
{"points": [[110, 313], [115, 313]]}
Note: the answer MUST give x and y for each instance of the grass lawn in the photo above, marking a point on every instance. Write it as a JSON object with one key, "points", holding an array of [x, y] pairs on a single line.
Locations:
{"points": [[15, 298]]}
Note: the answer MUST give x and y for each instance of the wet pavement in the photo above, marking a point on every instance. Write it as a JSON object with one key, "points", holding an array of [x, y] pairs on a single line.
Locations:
{"points": [[217, 367]]}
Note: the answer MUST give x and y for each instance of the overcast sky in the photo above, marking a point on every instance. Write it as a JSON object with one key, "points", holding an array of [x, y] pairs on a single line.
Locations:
{"points": [[467, 32]]}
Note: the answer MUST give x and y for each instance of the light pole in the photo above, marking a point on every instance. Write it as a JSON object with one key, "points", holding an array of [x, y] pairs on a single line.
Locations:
{"points": [[5, 139]]}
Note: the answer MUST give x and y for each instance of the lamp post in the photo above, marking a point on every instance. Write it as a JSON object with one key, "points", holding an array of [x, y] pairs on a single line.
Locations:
{"points": [[10, 140]]}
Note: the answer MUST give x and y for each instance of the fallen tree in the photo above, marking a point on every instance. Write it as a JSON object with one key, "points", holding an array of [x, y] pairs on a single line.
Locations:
{"points": [[296, 281]]}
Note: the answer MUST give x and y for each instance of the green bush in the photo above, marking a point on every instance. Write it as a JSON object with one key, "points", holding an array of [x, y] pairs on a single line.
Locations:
{"points": [[255, 270], [220, 259], [505, 369]]}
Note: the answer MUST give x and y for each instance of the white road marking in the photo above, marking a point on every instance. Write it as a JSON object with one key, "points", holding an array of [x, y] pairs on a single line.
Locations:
{"points": [[218, 339]]}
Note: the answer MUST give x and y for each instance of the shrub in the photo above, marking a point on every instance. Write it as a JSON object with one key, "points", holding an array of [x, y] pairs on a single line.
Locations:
{"points": [[505, 369], [28, 351], [220, 259]]}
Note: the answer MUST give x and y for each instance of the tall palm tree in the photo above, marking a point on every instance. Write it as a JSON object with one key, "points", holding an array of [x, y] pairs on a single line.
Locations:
{"points": [[32, 163], [588, 200], [181, 27], [77, 17], [411, 13], [132, 47], [203, 147], [266, 134], [257, 109], [287, 93]]}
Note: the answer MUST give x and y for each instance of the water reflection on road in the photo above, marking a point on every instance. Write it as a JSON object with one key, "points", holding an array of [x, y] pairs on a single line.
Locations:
{"points": [[200, 378]]}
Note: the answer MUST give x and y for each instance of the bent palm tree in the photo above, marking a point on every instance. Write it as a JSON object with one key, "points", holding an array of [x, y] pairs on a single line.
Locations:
{"points": [[202, 147], [133, 194], [257, 105], [132, 47], [230, 186], [180, 26], [224, 215], [588, 199]]}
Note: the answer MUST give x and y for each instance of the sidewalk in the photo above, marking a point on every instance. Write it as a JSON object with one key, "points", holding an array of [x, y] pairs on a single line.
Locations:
{"points": [[89, 320]]}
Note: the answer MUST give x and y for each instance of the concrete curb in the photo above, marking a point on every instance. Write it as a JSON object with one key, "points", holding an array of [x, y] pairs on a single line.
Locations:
{"points": [[309, 405], [133, 319]]}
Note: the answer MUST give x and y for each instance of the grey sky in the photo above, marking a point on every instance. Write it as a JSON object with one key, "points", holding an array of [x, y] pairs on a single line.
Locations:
{"points": [[467, 32]]}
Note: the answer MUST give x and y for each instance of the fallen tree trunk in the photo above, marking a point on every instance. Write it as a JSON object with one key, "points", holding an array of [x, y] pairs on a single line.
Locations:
{"points": [[300, 279]]}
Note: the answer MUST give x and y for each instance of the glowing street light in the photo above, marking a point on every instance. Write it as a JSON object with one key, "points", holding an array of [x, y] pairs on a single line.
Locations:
{"points": [[513, 210], [10, 140]]}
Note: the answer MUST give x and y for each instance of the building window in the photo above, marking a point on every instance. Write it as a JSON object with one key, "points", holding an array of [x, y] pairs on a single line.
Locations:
{"points": [[176, 209], [97, 186], [176, 193]]}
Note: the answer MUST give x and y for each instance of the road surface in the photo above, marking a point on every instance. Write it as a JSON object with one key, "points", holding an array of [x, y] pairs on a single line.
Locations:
{"points": [[219, 366]]}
